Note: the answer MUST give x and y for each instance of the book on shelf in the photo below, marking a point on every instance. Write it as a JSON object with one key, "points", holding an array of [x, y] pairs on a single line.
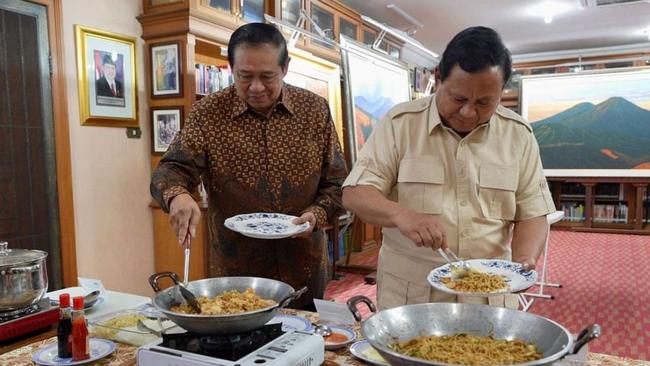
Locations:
{"points": [[211, 78], [610, 213], [573, 211]]}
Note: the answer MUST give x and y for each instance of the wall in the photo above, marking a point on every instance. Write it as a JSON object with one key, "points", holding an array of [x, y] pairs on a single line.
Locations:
{"points": [[113, 222]]}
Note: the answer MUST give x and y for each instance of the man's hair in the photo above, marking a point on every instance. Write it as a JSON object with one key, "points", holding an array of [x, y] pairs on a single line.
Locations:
{"points": [[108, 60], [256, 34], [474, 49]]}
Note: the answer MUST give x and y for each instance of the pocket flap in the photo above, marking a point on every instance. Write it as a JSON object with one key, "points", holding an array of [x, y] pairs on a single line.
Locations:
{"points": [[498, 177], [421, 171]]}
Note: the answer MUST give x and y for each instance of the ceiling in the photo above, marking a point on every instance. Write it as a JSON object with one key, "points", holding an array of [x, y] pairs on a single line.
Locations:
{"points": [[522, 28]]}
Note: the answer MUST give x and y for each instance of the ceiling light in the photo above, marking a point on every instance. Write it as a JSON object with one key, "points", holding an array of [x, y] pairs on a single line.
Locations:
{"points": [[549, 9]]}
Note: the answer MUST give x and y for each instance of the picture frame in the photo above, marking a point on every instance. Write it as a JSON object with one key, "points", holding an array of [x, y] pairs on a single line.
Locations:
{"points": [[166, 66], [594, 123], [166, 122], [374, 83], [320, 77], [106, 78]]}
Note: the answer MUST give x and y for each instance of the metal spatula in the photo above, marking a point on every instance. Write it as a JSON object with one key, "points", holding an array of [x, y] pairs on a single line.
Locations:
{"points": [[185, 292]]}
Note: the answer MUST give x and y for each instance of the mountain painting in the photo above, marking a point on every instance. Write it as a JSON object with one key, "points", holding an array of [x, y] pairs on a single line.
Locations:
{"points": [[375, 83], [590, 121]]}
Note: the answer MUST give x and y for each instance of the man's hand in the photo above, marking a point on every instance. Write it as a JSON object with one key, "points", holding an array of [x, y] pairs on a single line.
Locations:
{"points": [[306, 217], [424, 230], [528, 264], [184, 215]]}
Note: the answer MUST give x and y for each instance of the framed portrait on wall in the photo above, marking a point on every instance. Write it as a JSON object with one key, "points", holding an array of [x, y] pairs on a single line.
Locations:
{"points": [[166, 122], [374, 83], [107, 74], [320, 77], [594, 123], [166, 78]]}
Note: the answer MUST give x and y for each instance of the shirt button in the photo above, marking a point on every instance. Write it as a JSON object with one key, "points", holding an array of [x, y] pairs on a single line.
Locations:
{"points": [[462, 144], [463, 203]]}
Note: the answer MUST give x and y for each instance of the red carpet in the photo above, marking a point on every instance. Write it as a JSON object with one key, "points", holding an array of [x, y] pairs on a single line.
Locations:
{"points": [[605, 279]]}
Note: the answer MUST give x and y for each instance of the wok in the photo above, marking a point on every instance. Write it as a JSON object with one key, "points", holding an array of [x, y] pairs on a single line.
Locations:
{"points": [[403, 323], [278, 291]]}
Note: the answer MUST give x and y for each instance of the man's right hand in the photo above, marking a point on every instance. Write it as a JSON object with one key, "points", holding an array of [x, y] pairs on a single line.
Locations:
{"points": [[424, 230], [184, 215]]}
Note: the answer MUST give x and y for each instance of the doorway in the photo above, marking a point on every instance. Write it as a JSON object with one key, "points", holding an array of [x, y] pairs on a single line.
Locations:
{"points": [[29, 211]]}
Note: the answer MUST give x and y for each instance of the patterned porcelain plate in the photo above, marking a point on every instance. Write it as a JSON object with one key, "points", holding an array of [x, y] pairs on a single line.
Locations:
{"points": [[291, 322], [364, 351], [516, 278], [265, 225], [48, 355]]}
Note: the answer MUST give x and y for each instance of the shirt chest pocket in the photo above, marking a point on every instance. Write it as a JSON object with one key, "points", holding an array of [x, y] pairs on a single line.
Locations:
{"points": [[419, 185], [497, 187]]}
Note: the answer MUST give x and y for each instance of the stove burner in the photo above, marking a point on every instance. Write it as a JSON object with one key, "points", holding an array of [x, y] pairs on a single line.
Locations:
{"points": [[15, 314], [228, 347]]}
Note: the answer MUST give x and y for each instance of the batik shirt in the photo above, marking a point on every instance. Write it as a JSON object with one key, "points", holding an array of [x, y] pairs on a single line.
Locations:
{"points": [[288, 161]]}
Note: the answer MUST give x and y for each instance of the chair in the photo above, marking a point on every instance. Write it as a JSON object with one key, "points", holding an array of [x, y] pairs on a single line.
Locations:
{"points": [[523, 300]]}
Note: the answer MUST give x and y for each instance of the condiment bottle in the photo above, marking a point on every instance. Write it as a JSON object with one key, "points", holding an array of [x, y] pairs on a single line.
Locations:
{"points": [[80, 340], [64, 328]]}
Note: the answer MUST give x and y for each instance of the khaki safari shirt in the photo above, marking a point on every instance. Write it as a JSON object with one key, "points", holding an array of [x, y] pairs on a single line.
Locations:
{"points": [[477, 187], [288, 161]]}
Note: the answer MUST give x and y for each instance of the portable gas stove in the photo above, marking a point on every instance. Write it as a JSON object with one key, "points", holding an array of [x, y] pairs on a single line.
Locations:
{"points": [[23, 321], [268, 345]]}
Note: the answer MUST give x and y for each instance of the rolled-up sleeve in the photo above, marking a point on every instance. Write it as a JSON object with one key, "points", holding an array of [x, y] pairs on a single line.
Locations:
{"points": [[180, 169], [533, 196], [377, 162]]}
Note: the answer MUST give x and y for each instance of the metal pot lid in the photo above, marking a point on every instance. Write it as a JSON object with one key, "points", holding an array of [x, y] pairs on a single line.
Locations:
{"points": [[11, 257]]}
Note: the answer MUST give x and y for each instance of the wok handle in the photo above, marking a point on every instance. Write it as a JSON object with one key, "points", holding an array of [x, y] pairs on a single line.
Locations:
{"points": [[292, 296], [154, 278], [587, 335], [354, 301]]}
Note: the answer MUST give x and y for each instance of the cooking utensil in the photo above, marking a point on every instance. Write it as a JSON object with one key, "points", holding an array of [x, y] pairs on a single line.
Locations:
{"points": [[23, 275], [403, 323], [186, 267], [322, 329], [91, 298], [458, 268], [266, 288]]}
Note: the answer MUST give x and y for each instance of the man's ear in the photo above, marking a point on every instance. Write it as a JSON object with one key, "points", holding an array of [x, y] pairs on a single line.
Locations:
{"points": [[436, 75], [285, 69]]}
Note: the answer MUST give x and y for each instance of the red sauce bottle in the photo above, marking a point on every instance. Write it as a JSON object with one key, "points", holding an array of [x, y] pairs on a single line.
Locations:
{"points": [[64, 347], [80, 340]]}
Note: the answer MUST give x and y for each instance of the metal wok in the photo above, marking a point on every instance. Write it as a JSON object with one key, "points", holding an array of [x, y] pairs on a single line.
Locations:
{"points": [[281, 292], [403, 323]]}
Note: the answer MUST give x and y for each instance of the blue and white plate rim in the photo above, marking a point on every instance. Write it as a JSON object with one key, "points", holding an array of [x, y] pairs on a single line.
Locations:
{"points": [[526, 279], [94, 344], [230, 222], [308, 327]]}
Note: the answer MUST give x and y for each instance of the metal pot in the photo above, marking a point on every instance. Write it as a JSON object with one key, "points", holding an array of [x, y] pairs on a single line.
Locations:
{"points": [[23, 277], [279, 291], [403, 323]]}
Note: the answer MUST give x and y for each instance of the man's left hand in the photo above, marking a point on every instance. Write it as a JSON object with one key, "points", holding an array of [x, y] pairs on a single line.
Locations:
{"points": [[528, 264], [306, 217]]}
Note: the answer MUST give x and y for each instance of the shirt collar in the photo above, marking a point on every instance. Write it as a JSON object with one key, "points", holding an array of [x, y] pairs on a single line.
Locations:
{"points": [[285, 100]]}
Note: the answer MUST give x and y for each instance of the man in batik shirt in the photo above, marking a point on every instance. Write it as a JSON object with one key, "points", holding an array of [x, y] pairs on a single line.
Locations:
{"points": [[259, 146]]}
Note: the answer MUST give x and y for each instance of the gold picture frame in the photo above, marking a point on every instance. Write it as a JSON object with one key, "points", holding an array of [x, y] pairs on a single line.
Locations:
{"points": [[106, 78], [321, 77]]}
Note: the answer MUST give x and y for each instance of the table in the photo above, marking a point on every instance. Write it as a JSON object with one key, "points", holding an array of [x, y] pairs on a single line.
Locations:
{"points": [[110, 301], [125, 355]]}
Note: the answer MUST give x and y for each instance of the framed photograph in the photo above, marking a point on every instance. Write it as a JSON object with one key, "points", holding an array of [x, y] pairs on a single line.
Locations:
{"points": [[592, 123], [165, 124], [374, 83], [166, 78], [321, 77], [107, 74]]}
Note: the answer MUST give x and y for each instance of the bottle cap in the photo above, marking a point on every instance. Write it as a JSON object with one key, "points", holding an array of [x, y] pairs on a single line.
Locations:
{"points": [[64, 300], [78, 302]]}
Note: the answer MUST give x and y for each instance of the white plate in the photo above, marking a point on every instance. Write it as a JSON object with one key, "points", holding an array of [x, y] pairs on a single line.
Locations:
{"points": [[48, 355], [516, 278], [291, 322], [364, 351], [265, 225], [349, 334]]}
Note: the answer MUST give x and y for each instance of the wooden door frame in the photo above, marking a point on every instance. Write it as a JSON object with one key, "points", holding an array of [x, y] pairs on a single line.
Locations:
{"points": [[61, 141]]}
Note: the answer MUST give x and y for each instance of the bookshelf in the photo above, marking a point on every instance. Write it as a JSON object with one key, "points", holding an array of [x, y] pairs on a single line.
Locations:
{"points": [[603, 204]]}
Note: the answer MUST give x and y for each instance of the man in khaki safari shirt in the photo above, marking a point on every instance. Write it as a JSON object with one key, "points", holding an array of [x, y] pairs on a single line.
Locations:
{"points": [[452, 170]]}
